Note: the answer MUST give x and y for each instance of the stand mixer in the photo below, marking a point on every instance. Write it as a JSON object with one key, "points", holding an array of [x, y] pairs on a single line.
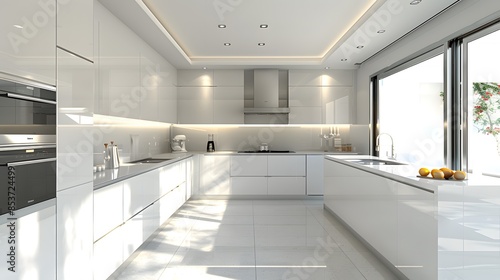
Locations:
{"points": [[179, 144]]}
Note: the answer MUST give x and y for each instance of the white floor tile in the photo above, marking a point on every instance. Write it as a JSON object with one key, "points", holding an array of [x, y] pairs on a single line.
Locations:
{"points": [[253, 239]]}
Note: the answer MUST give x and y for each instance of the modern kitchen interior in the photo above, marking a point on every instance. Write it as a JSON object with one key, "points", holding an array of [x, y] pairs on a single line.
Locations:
{"points": [[233, 139]]}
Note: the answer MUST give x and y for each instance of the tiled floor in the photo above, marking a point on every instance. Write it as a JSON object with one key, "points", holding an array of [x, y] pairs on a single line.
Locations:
{"points": [[253, 239]]}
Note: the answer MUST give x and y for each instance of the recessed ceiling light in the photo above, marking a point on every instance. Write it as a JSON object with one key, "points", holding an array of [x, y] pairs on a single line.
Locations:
{"points": [[18, 26], [381, 31], [326, 68], [204, 68], [261, 44], [227, 44], [264, 26], [343, 59], [360, 47], [222, 26], [415, 2]]}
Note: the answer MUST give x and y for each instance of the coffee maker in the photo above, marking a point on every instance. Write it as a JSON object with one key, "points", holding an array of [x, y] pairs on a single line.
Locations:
{"points": [[179, 144]]}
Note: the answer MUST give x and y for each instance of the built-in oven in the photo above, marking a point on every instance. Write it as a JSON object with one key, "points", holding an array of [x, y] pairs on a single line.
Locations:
{"points": [[27, 170], [27, 107]]}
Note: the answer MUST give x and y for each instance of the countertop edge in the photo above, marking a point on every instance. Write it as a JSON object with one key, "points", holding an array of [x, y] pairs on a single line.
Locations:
{"points": [[384, 174], [147, 167]]}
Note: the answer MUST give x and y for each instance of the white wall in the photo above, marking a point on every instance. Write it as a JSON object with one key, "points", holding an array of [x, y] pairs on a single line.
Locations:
{"points": [[460, 18]]}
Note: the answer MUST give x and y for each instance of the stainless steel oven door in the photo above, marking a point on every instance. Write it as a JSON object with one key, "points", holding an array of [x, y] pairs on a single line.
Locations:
{"points": [[35, 181]]}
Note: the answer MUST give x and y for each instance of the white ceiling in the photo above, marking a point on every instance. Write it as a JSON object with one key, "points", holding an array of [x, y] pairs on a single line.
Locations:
{"points": [[311, 34]]}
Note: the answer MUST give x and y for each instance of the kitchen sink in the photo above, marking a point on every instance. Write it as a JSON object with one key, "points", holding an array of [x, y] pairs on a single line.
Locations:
{"points": [[375, 162], [150, 160]]}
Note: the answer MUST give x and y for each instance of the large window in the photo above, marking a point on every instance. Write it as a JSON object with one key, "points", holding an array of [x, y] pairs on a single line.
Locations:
{"points": [[411, 110], [482, 137]]}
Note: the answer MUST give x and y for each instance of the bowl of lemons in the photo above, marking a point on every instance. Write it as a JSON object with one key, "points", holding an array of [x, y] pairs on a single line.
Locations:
{"points": [[443, 173]]}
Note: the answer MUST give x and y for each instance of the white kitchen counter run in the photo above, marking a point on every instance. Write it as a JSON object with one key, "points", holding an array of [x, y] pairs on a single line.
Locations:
{"points": [[463, 217], [408, 173], [128, 170]]}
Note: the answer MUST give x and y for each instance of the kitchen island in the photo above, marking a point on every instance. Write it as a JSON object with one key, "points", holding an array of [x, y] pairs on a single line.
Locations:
{"points": [[420, 227]]}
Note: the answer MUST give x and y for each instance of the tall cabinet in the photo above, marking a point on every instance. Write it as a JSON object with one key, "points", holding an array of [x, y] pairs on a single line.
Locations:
{"points": [[75, 95]]}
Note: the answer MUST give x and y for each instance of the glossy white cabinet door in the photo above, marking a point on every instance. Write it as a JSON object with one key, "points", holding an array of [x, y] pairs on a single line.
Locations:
{"points": [[288, 165], [189, 177], [315, 174], [248, 185], [139, 192], [417, 233], [337, 105], [119, 66], [229, 78], [171, 176], [248, 165], [75, 93], [108, 254], [366, 202], [304, 115], [170, 202], [29, 50], [35, 244], [149, 89], [195, 78], [286, 185], [228, 105], [108, 209], [304, 77], [305, 96], [75, 233], [215, 171], [75, 27], [195, 105]]}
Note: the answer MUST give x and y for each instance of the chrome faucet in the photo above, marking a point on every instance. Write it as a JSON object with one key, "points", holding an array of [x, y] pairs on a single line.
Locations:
{"points": [[377, 145]]}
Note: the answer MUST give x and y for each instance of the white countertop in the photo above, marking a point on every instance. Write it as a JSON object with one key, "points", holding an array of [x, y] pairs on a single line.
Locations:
{"points": [[408, 174], [128, 170]]}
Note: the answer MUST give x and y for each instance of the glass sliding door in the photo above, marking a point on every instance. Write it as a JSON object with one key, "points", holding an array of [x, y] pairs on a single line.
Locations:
{"points": [[411, 111], [482, 95]]}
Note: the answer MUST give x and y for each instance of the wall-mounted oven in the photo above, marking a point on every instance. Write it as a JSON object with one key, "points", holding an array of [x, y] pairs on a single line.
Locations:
{"points": [[27, 170], [27, 108]]}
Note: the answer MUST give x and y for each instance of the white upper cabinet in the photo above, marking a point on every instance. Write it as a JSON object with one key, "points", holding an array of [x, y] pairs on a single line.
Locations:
{"points": [[134, 81], [28, 46], [195, 105], [337, 105], [321, 96], [195, 78], [229, 78], [75, 27], [75, 103], [228, 105], [305, 105]]}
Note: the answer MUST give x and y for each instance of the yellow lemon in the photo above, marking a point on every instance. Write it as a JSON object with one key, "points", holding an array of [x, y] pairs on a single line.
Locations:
{"points": [[437, 174], [459, 175], [447, 172], [424, 172]]}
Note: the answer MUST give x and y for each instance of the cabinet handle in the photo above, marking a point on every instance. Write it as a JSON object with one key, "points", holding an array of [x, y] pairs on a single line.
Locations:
{"points": [[27, 98]]}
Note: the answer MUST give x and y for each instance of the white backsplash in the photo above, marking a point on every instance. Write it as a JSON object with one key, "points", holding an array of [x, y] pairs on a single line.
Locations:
{"points": [[295, 138], [135, 139]]}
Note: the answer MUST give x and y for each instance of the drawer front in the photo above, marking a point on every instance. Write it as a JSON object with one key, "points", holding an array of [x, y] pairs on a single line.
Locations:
{"points": [[286, 186], [287, 165], [252, 165], [248, 185]]}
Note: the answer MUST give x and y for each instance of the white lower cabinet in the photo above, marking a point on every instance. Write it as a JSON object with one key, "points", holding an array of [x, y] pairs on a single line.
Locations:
{"points": [[396, 219], [248, 185], [108, 253], [108, 209], [35, 243], [139, 192], [286, 185], [314, 175], [215, 175], [128, 212]]}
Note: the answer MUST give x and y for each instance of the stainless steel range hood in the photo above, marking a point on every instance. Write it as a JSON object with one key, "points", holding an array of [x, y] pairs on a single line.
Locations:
{"points": [[266, 93]]}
